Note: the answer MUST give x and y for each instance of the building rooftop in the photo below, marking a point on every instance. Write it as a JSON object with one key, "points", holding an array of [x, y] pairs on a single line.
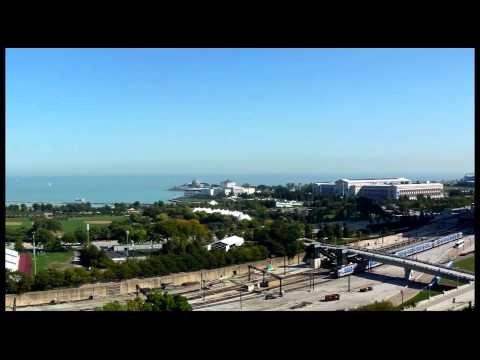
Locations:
{"points": [[373, 179]]}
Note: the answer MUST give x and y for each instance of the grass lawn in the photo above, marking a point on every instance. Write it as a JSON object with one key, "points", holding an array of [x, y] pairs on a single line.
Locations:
{"points": [[54, 260], [75, 223], [17, 222], [467, 264], [422, 295]]}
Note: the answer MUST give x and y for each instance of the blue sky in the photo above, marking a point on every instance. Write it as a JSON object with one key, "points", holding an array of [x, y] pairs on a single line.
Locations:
{"points": [[250, 111]]}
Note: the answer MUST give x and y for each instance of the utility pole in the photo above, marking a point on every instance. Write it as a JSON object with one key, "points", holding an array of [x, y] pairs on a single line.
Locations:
{"points": [[34, 254], [88, 234], [241, 308], [349, 283], [401, 292]]}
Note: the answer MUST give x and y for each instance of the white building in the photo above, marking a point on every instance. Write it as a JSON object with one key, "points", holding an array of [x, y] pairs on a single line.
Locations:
{"points": [[228, 184], [231, 188], [226, 244], [351, 187], [12, 258], [202, 192], [288, 204], [432, 190]]}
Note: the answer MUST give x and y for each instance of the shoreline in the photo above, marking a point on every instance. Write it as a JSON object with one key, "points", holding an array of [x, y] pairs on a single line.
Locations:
{"points": [[93, 204]]}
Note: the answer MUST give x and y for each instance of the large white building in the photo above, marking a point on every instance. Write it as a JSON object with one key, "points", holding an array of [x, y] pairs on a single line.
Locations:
{"points": [[227, 188], [203, 192], [231, 188], [351, 187], [432, 190], [12, 259], [379, 189]]}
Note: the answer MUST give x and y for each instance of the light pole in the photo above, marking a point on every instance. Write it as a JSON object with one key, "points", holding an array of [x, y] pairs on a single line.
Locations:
{"points": [[34, 254], [88, 234], [241, 307], [401, 292]]}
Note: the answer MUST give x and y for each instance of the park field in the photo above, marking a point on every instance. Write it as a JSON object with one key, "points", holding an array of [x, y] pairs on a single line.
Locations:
{"points": [[54, 260], [69, 225], [75, 223], [18, 222], [467, 264], [422, 295]]}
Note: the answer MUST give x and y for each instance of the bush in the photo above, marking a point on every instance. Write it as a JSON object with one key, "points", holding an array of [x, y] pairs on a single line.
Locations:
{"points": [[378, 306], [154, 302]]}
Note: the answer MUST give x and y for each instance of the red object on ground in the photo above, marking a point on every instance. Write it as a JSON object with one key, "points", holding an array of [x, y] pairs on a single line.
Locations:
{"points": [[25, 263]]}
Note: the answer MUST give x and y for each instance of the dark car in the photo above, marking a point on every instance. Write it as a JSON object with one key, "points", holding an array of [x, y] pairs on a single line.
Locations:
{"points": [[365, 289], [332, 297]]}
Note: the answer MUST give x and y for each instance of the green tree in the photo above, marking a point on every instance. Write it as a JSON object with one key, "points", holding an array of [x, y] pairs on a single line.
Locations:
{"points": [[166, 302], [154, 302], [44, 236], [18, 244], [80, 236], [91, 256], [68, 238], [346, 231], [308, 231]]}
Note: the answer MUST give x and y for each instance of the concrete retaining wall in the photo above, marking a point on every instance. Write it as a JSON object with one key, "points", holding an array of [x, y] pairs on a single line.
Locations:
{"points": [[129, 286]]}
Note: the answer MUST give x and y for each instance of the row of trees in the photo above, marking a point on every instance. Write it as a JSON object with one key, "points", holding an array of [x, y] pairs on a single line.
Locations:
{"points": [[154, 302], [195, 257], [17, 210], [280, 237], [334, 232]]}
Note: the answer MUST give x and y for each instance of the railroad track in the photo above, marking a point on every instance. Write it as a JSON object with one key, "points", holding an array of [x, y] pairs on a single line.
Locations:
{"points": [[292, 285]]}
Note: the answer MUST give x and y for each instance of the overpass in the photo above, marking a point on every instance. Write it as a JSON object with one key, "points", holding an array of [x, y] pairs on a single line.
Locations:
{"points": [[417, 265], [352, 259]]}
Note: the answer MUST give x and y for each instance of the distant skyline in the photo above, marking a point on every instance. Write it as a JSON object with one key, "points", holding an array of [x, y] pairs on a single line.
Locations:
{"points": [[239, 111]]}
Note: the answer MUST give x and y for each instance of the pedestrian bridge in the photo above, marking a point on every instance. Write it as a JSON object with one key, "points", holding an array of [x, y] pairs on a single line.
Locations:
{"points": [[417, 265], [352, 259]]}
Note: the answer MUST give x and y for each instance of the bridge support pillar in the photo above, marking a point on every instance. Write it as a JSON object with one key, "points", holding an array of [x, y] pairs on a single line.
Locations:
{"points": [[408, 274]]}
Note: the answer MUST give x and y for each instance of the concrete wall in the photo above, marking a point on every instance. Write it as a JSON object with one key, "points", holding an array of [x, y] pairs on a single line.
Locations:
{"points": [[129, 286]]}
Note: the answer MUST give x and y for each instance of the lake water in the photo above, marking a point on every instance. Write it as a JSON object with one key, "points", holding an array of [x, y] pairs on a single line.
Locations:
{"points": [[146, 189]]}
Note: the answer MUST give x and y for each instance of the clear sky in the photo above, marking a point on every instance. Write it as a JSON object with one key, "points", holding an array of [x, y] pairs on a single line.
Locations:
{"points": [[251, 111]]}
